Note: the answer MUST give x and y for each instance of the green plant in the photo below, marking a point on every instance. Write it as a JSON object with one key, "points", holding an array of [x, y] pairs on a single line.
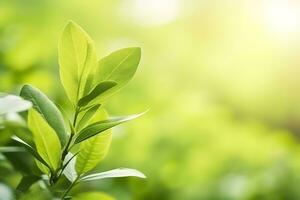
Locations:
{"points": [[71, 148]]}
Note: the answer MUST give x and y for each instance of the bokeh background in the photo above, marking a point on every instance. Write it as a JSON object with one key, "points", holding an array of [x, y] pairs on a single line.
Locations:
{"points": [[221, 79]]}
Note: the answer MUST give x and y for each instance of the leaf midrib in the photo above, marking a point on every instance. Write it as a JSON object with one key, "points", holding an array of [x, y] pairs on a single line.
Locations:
{"points": [[77, 61]]}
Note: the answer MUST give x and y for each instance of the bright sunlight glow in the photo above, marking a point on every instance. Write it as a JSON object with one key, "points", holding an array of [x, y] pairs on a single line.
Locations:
{"points": [[282, 16], [154, 12]]}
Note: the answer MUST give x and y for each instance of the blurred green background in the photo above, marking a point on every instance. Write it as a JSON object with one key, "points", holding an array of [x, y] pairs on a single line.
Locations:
{"points": [[221, 78]]}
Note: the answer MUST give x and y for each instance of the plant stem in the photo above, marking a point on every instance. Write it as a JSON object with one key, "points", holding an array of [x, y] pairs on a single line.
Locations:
{"points": [[67, 147], [77, 111], [69, 188], [66, 150]]}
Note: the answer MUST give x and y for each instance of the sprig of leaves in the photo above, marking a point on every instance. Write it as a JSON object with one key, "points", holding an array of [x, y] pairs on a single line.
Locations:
{"points": [[88, 83]]}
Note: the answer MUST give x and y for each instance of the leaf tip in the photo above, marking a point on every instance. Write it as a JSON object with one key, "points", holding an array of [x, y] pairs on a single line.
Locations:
{"points": [[25, 88], [70, 23], [142, 175], [70, 26], [142, 113], [138, 50]]}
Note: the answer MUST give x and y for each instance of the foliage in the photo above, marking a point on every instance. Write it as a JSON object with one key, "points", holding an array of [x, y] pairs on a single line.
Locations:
{"points": [[222, 84], [72, 148]]}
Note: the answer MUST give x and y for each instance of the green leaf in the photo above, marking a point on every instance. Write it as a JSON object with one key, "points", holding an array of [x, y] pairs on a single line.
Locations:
{"points": [[46, 141], [97, 93], [26, 182], [47, 109], [87, 116], [115, 173], [12, 103], [77, 57], [93, 196], [31, 150], [119, 66], [93, 150], [19, 161], [11, 149], [101, 126]]}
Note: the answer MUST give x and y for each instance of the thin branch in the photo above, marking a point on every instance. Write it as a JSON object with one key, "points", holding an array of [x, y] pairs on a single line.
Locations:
{"points": [[69, 188]]}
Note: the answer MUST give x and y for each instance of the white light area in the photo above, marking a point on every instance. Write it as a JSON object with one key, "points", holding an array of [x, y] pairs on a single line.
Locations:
{"points": [[153, 12], [282, 16]]}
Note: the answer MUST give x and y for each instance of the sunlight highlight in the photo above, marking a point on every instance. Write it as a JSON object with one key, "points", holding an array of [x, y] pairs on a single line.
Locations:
{"points": [[283, 17], [154, 12]]}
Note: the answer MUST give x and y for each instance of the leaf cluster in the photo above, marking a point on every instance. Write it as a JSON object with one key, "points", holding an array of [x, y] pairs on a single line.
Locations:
{"points": [[71, 148]]}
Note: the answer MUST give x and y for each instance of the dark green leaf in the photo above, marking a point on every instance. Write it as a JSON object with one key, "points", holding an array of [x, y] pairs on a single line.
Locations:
{"points": [[21, 162], [101, 126], [47, 109], [26, 182], [87, 116], [31, 150], [96, 94]]}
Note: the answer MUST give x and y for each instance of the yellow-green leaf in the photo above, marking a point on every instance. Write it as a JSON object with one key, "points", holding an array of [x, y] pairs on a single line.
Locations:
{"points": [[119, 66], [87, 116], [93, 150], [45, 139], [77, 56]]}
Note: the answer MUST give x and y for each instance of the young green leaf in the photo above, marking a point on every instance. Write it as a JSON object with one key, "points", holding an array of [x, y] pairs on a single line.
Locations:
{"points": [[87, 116], [31, 150], [93, 196], [115, 173], [46, 141], [101, 126], [77, 56], [96, 94], [119, 66], [47, 109], [93, 150]]}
